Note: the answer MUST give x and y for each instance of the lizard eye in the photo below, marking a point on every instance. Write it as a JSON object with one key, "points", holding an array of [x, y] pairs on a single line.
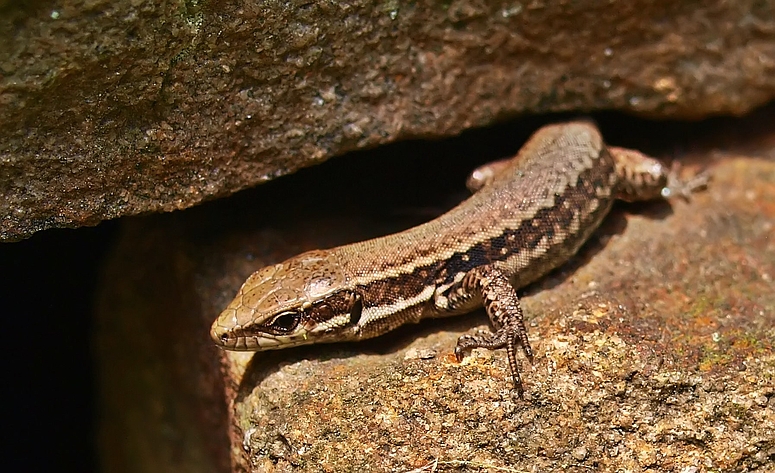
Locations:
{"points": [[285, 322]]}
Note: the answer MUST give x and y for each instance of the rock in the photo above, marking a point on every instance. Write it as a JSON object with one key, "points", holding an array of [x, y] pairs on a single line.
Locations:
{"points": [[654, 346], [118, 108]]}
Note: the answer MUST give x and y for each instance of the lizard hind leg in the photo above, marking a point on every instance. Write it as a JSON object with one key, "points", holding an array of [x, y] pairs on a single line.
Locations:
{"points": [[502, 305], [484, 174], [642, 177]]}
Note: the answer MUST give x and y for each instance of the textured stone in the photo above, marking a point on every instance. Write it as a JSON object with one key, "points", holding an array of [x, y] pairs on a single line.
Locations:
{"points": [[111, 108], [655, 354], [654, 346]]}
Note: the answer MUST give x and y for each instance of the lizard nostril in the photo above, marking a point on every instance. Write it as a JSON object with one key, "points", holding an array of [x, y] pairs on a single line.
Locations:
{"points": [[219, 334]]}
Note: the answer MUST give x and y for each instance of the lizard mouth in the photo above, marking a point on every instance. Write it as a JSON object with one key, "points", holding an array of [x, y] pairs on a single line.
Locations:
{"points": [[232, 339]]}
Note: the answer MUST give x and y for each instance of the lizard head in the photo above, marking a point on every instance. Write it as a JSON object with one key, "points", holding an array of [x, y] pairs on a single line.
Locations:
{"points": [[302, 300]]}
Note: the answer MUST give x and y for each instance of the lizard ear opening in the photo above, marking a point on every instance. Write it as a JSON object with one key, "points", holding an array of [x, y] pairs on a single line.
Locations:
{"points": [[356, 308]]}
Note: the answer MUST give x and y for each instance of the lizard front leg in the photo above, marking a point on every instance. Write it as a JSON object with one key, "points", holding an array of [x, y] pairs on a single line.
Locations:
{"points": [[500, 301]]}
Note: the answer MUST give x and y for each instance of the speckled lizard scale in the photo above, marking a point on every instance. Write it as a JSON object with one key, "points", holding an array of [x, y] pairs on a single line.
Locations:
{"points": [[528, 215]]}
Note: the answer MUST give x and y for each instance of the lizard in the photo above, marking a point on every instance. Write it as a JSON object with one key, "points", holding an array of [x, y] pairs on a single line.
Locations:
{"points": [[527, 216]]}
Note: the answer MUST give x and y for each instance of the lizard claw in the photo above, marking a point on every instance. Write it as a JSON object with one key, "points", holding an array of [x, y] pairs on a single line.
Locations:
{"points": [[677, 187]]}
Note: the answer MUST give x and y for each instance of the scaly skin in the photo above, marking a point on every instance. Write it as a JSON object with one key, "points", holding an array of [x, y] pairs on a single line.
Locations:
{"points": [[529, 215]]}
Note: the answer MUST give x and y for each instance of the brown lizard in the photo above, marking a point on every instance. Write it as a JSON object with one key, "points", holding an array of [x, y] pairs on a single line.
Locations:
{"points": [[529, 214]]}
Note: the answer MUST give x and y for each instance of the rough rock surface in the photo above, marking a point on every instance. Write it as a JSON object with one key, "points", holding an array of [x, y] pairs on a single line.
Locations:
{"points": [[656, 355], [654, 346], [117, 107]]}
